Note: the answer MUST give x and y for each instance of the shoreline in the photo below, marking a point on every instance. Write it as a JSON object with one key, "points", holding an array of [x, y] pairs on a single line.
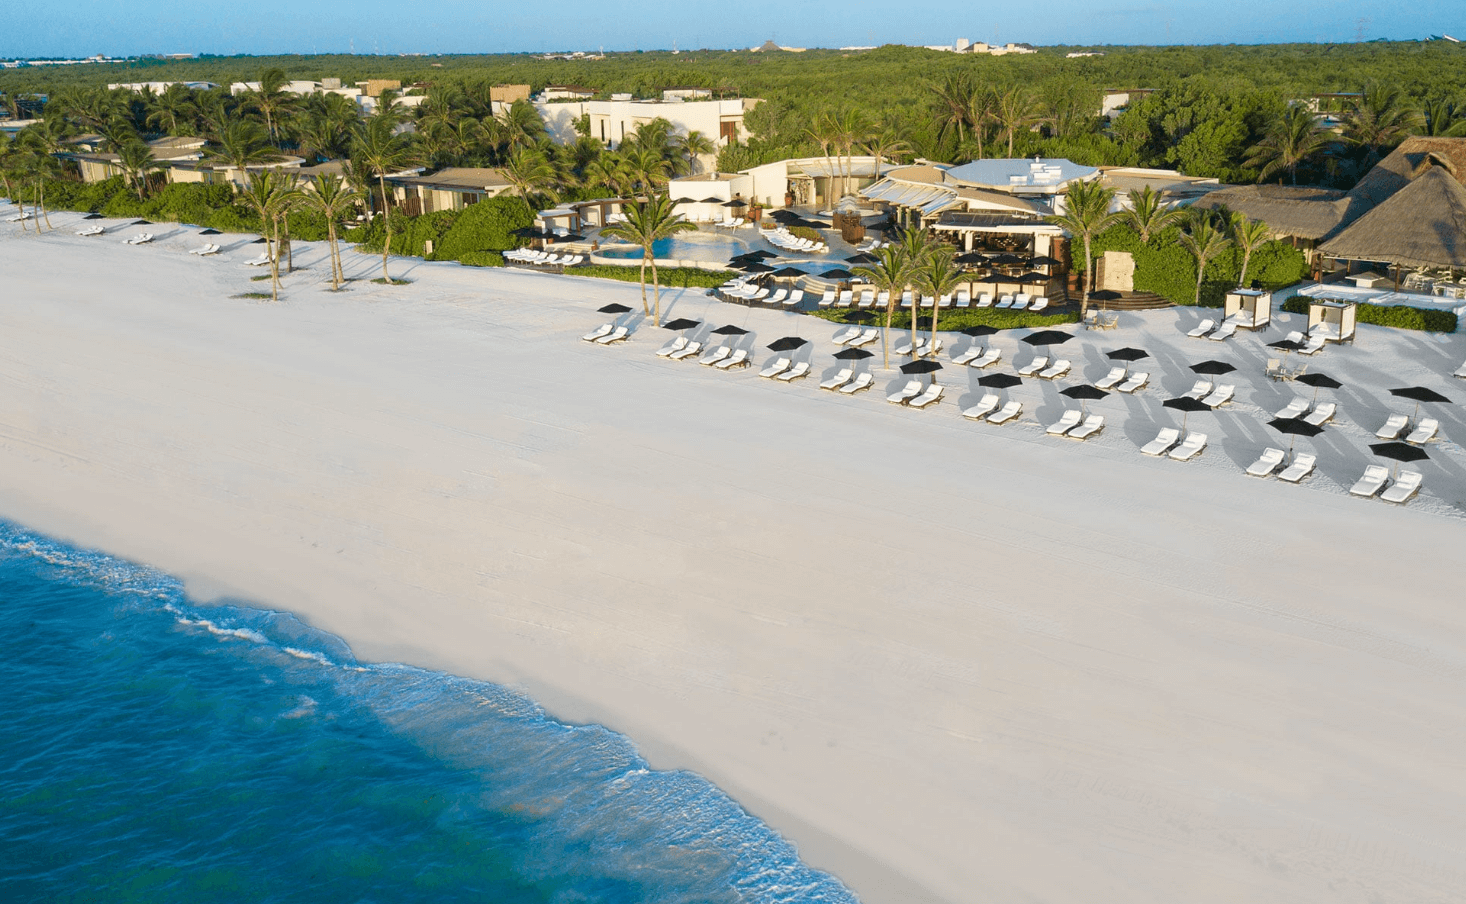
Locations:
{"points": [[919, 650]]}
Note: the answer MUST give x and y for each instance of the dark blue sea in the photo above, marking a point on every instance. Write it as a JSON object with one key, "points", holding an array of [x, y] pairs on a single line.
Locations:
{"points": [[156, 751]]}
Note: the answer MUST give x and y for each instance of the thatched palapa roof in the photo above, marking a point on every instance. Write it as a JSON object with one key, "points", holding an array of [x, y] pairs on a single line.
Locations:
{"points": [[1308, 213], [1420, 225], [1407, 163]]}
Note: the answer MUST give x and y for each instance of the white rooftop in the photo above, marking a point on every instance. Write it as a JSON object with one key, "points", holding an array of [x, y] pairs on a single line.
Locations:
{"points": [[1039, 174]]}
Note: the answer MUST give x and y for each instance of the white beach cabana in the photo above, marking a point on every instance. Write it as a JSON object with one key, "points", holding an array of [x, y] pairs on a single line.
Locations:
{"points": [[1250, 309], [1331, 319]]}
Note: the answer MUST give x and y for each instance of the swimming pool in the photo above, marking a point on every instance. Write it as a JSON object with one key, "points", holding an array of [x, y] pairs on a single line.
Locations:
{"points": [[712, 250]]}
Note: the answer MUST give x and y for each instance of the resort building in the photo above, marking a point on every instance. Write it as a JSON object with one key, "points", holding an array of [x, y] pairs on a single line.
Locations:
{"points": [[554, 93], [98, 166], [1406, 213], [612, 120], [452, 188], [160, 87]]}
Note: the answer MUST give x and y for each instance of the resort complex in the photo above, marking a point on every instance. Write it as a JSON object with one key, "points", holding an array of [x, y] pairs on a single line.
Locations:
{"points": [[962, 474]]}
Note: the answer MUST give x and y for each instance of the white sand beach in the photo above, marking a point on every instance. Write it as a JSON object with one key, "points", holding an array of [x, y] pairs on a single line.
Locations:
{"points": [[952, 662]]}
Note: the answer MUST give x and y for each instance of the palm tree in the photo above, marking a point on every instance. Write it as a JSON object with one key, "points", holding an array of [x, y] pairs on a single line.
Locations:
{"points": [[331, 197], [1248, 235], [271, 195], [1292, 139], [646, 223], [883, 144], [10, 157], [1014, 110], [849, 128], [530, 173], [381, 151], [1205, 241], [953, 98], [519, 126], [136, 161], [890, 274], [693, 146], [1443, 119], [173, 110], [1086, 214], [271, 101], [1148, 213], [915, 245], [822, 133], [240, 144], [1379, 119], [936, 275]]}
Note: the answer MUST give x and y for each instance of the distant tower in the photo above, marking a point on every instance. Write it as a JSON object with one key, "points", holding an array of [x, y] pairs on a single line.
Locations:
{"points": [[961, 45]]}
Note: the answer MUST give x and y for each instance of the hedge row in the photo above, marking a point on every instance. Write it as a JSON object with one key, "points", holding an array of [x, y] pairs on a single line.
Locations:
{"points": [[959, 320], [1164, 267], [667, 277], [1401, 317]]}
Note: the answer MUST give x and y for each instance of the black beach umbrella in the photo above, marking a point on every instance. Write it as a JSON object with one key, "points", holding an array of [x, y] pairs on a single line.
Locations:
{"points": [[786, 344], [527, 232], [835, 273], [1319, 381], [1418, 394], [922, 366], [1006, 260], [1398, 452], [861, 258], [681, 323], [685, 201], [762, 254], [1105, 295], [1286, 345], [1213, 368], [789, 273], [757, 268], [1047, 337], [143, 223], [711, 200], [784, 216], [210, 232], [735, 203], [1033, 278], [1187, 405], [1127, 354], [258, 241], [1044, 261], [1000, 381], [1294, 427], [1084, 393], [92, 216], [613, 308], [979, 331], [970, 258], [730, 330], [854, 354], [859, 317]]}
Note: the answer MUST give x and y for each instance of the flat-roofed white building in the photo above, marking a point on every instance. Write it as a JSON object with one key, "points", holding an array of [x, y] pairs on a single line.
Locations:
{"points": [[612, 120]]}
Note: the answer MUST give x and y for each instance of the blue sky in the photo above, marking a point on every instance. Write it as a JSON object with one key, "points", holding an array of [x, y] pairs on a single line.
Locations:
{"points": [[124, 27]]}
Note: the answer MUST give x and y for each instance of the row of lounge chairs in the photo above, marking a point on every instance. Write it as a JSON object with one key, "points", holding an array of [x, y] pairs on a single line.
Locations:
{"points": [[1041, 368], [1377, 478], [607, 333], [915, 395], [723, 357], [787, 240], [785, 370], [987, 409], [749, 291], [1423, 432], [142, 238], [543, 258], [870, 244], [1170, 444], [1304, 409], [979, 357], [1121, 380], [847, 381], [732, 222], [1208, 329]]}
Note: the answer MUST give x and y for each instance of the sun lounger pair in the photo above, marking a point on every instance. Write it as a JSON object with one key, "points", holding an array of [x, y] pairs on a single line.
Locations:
{"points": [[605, 330], [930, 396], [98, 230], [1225, 332], [865, 338], [1165, 443], [1199, 390], [969, 356], [142, 238], [911, 390], [841, 377], [1404, 487], [1374, 479], [1134, 383], [785, 370], [1268, 463], [686, 351], [1296, 408], [1220, 396], [619, 334], [260, 261], [861, 383], [847, 334], [1063, 425], [987, 409], [1075, 426], [1114, 378], [1034, 366], [205, 251], [1056, 370], [716, 355], [1322, 414]]}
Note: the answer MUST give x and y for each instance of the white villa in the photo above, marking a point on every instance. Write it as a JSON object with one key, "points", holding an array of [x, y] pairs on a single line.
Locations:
{"points": [[612, 120]]}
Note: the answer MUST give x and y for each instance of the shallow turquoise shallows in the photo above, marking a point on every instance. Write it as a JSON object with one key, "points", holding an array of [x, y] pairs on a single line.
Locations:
{"points": [[155, 751]]}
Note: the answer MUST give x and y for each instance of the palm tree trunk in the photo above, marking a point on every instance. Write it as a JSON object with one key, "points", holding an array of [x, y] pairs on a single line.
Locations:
{"points": [[936, 306], [331, 244], [1088, 276], [656, 292], [275, 266], [915, 306], [886, 333], [387, 214], [289, 247], [1242, 279], [646, 255]]}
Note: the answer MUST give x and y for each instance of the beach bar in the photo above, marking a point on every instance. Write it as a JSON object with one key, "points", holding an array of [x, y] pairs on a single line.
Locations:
{"points": [[1250, 309]]}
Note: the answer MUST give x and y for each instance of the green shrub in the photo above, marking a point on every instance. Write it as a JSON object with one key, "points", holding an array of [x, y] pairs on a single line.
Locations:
{"points": [[481, 259], [486, 226], [307, 225], [1401, 317], [410, 235], [187, 202], [1164, 267], [122, 205], [668, 277], [962, 319], [805, 232]]}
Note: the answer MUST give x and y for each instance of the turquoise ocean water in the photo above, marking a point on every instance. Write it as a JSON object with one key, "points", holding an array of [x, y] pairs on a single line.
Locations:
{"points": [[156, 751]]}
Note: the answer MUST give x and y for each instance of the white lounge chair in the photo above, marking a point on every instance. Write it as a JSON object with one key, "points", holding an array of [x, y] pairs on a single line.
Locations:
{"points": [[617, 335], [989, 358], [1191, 447], [906, 347], [845, 335], [1314, 346], [969, 356], [1322, 414], [1092, 425], [964, 300], [1220, 396], [1006, 301], [676, 345], [718, 354], [775, 367], [141, 238], [1199, 390], [98, 230], [260, 261], [1034, 366], [686, 351], [208, 250], [931, 396], [1459, 372], [1202, 328], [1009, 412], [861, 382], [1038, 304], [739, 358], [839, 379], [1114, 378], [1301, 467], [1393, 427], [1227, 331], [796, 372], [1424, 432], [1056, 370], [1374, 479], [985, 300], [778, 297], [1405, 486], [1266, 463], [1164, 441], [911, 390], [605, 330], [1296, 408], [984, 407], [1134, 383], [1068, 422], [847, 298], [795, 299], [866, 338], [1021, 300]]}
